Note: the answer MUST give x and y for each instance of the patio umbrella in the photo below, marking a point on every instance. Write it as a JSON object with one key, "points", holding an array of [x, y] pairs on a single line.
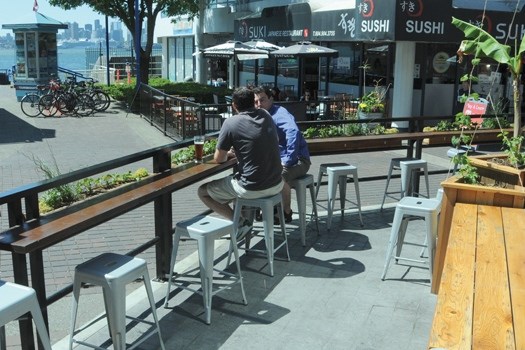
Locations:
{"points": [[234, 49], [305, 49], [261, 44]]}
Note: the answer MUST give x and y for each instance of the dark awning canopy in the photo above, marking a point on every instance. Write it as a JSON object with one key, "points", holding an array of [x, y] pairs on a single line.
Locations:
{"points": [[276, 24], [385, 21]]}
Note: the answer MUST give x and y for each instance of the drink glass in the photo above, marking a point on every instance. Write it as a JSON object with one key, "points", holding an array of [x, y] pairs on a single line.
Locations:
{"points": [[198, 141]]}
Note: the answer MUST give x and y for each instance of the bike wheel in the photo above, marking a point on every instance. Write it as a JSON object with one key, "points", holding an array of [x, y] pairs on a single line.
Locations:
{"points": [[67, 103], [29, 105], [47, 105], [101, 99], [85, 105]]}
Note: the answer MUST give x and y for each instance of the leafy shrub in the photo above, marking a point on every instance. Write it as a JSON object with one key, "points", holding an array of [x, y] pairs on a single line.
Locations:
{"points": [[186, 155], [201, 92], [67, 194]]}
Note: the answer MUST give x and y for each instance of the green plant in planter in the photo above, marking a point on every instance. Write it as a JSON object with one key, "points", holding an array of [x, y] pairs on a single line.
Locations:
{"points": [[512, 148], [481, 44], [373, 102], [187, 155], [468, 172]]}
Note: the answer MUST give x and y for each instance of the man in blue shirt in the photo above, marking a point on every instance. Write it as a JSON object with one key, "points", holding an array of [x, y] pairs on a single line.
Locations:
{"points": [[293, 148]]}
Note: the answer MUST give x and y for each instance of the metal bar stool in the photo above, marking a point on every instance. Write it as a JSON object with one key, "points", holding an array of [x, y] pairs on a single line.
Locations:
{"points": [[337, 175], [17, 300], [300, 185], [408, 166], [266, 204], [205, 229], [407, 208], [113, 272]]}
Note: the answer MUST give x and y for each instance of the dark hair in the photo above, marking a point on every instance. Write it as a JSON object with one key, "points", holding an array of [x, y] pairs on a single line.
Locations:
{"points": [[276, 93], [263, 90], [243, 98]]}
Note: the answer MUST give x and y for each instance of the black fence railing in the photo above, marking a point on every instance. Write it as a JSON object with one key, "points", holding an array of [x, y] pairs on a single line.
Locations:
{"points": [[180, 117]]}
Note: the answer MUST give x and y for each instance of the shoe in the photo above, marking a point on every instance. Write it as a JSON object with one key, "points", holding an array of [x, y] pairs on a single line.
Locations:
{"points": [[287, 218], [243, 230]]}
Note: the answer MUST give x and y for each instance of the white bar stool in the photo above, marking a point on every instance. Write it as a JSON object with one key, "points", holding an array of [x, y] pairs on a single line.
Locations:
{"points": [[205, 229], [408, 166], [113, 272], [337, 174], [17, 300], [266, 204], [428, 209], [300, 185]]}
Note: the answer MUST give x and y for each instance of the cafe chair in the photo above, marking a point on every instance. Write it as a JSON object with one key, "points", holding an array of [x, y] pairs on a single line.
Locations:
{"points": [[407, 209], [300, 185], [17, 300], [337, 175], [205, 229], [113, 272], [409, 168]]}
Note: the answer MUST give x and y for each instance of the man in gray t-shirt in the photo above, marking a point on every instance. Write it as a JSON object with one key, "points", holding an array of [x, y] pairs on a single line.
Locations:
{"points": [[251, 137]]}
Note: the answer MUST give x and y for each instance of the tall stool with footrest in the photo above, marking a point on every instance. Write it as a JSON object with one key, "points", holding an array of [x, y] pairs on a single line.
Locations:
{"points": [[266, 204], [407, 208], [300, 185], [337, 174], [205, 229], [408, 166], [17, 300], [113, 272]]}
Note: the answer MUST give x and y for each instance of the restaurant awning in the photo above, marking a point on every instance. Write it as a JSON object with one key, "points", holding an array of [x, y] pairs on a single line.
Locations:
{"points": [[276, 24], [334, 22]]}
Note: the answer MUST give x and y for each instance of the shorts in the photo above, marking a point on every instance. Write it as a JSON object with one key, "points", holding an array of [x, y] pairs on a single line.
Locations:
{"points": [[295, 171], [227, 189]]}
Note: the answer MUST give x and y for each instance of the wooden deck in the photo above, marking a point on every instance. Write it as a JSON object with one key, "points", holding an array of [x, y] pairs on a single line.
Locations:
{"points": [[481, 300]]}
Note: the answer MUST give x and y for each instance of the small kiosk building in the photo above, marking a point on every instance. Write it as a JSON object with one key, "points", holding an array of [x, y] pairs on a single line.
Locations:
{"points": [[36, 51]]}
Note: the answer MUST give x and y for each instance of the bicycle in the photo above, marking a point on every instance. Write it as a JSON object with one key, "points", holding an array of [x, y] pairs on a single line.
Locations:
{"points": [[30, 102], [101, 98]]}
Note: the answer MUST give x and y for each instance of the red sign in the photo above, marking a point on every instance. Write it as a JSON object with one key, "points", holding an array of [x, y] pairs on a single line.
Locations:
{"points": [[475, 107]]}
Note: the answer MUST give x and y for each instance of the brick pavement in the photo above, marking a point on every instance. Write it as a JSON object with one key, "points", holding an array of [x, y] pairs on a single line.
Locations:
{"points": [[79, 142]]}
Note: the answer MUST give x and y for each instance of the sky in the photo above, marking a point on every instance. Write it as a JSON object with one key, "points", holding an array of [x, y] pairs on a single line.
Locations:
{"points": [[20, 8]]}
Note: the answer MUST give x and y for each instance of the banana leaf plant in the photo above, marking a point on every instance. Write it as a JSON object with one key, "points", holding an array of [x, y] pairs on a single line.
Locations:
{"points": [[479, 43]]}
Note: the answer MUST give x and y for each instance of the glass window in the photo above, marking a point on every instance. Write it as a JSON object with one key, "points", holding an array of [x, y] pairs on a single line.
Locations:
{"points": [[345, 68]]}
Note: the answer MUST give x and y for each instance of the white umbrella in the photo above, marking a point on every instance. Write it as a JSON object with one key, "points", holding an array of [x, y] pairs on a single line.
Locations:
{"points": [[261, 44], [234, 49]]}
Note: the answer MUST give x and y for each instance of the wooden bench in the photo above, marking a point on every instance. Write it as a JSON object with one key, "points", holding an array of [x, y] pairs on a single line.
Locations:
{"points": [[481, 300]]}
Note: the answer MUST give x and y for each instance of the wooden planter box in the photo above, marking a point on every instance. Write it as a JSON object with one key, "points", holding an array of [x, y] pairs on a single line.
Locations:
{"points": [[456, 191], [494, 173]]}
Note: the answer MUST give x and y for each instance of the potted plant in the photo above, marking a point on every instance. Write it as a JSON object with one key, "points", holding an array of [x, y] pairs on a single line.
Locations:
{"points": [[372, 104], [503, 168]]}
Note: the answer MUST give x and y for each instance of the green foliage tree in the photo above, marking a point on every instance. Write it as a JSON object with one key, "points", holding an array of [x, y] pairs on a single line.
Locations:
{"points": [[481, 44], [125, 11]]}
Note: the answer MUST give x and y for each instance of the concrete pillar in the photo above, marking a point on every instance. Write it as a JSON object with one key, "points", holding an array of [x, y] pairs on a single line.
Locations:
{"points": [[403, 82], [198, 27]]}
